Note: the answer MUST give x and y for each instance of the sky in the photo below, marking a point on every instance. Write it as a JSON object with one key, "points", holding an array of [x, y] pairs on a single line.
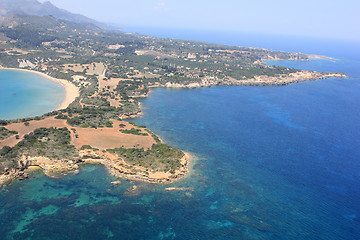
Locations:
{"points": [[336, 19]]}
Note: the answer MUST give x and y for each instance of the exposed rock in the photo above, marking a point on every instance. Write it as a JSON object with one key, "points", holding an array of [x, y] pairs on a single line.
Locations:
{"points": [[118, 182], [132, 191]]}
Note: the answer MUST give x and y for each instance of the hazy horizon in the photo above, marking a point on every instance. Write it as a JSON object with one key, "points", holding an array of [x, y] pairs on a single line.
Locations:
{"points": [[322, 19]]}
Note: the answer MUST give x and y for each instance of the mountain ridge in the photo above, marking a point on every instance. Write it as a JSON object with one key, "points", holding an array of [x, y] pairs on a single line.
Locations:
{"points": [[34, 7]]}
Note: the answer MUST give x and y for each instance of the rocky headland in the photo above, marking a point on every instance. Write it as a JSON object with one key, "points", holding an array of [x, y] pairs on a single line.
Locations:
{"points": [[115, 165], [261, 80]]}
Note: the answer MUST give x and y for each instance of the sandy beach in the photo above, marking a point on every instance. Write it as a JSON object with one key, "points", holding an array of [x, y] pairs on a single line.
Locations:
{"points": [[71, 91]]}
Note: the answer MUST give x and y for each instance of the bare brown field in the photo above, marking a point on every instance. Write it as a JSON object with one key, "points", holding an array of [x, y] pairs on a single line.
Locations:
{"points": [[107, 138], [22, 129], [91, 69], [111, 83], [101, 138]]}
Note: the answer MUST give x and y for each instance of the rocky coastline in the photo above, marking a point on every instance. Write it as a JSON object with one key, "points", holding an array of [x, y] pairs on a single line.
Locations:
{"points": [[58, 168]]}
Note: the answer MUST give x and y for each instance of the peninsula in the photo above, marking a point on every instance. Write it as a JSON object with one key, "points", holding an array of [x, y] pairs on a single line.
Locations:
{"points": [[105, 73]]}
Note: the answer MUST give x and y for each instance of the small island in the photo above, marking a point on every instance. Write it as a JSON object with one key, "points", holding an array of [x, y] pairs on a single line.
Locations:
{"points": [[105, 74]]}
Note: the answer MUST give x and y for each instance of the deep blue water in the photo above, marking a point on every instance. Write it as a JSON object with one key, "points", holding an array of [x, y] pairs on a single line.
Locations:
{"points": [[24, 94], [278, 162]]}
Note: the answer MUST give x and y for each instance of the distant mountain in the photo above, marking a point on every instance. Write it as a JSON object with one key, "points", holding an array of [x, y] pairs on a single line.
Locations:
{"points": [[31, 30], [34, 7], [42, 23]]}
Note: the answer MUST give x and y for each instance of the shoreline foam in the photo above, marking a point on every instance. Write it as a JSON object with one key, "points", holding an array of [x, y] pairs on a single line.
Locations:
{"points": [[71, 91]]}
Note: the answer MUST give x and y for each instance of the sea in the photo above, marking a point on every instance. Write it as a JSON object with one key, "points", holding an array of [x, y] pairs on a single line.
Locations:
{"points": [[26, 94], [270, 162]]}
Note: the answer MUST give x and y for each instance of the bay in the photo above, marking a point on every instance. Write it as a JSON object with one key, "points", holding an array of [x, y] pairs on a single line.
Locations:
{"points": [[25, 94]]}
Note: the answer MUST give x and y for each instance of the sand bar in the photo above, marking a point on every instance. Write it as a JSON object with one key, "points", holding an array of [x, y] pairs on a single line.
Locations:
{"points": [[315, 56], [71, 91]]}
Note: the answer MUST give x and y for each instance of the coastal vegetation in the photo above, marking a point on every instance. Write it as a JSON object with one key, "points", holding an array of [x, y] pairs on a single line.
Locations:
{"points": [[133, 131], [4, 133], [160, 157]]}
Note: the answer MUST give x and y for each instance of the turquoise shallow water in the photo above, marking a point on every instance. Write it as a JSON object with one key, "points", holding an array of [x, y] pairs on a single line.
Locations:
{"points": [[24, 94], [271, 163]]}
